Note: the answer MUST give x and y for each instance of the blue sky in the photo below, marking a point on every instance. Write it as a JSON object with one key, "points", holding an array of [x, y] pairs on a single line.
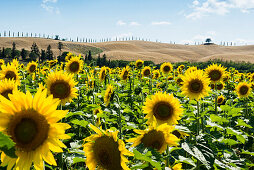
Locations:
{"points": [[180, 21]]}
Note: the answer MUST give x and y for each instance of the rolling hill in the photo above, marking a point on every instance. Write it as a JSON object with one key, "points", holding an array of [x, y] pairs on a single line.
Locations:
{"points": [[133, 50]]}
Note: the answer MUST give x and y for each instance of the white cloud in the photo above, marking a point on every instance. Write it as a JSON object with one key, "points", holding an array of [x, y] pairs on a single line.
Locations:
{"points": [[121, 23], [45, 5], [52, 1], [161, 23], [219, 7], [134, 24], [209, 7], [195, 3]]}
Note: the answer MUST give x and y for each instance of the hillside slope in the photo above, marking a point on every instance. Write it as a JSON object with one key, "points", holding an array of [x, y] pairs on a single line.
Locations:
{"points": [[133, 50]]}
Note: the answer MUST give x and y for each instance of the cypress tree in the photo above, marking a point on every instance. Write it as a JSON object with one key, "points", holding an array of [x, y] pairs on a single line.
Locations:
{"points": [[89, 57], [98, 62], [60, 47], [86, 58], [43, 55], [104, 60], [35, 52], [13, 50], [3, 53], [49, 53], [24, 54]]}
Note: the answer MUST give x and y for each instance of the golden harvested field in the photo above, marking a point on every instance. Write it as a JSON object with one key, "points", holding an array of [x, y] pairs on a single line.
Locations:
{"points": [[133, 50]]}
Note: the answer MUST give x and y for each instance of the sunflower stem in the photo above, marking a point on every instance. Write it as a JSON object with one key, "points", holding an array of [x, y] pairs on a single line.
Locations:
{"points": [[119, 117], [167, 157], [197, 117], [198, 127], [216, 102], [93, 118], [165, 89], [130, 92], [78, 90], [246, 113]]}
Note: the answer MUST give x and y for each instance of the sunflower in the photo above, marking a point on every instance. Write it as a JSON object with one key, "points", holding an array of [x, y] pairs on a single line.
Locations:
{"points": [[156, 137], [74, 65], [219, 86], [225, 78], [180, 68], [179, 81], [146, 71], [163, 108], [103, 73], [45, 70], [52, 63], [105, 150], [195, 84], [125, 73], [109, 94], [156, 74], [191, 69], [180, 133], [22, 65], [1, 62], [69, 56], [98, 120], [220, 100], [31, 122], [177, 166], [15, 62], [61, 85], [31, 67], [166, 68], [215, 72], [243, 89], [139, 63], [90, 81], [170, 77], [9, 72], [7, 87]]}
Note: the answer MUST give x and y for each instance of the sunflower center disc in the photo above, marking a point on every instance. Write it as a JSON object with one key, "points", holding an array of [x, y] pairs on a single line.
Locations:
{"points": [[125, 75], [147, 72], [10, 75], [103, 75], [28, 129], [215, 75], [163, 111], [106, 153], [25, 131], [166, 69], [220, 100], [244, 90], [196, 86], [220, 86], [6, 92], [60, 89], [139, 64], [179, 81], [32, 68], [74, 67], [154, 139]]}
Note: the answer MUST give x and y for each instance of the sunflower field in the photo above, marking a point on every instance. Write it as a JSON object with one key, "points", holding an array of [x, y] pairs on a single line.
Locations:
{"points": [[69, 115]]}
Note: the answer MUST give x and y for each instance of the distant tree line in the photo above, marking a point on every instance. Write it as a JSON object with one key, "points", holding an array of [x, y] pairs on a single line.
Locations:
{"points": [[78, 39], [29, 55], [243, 67]]}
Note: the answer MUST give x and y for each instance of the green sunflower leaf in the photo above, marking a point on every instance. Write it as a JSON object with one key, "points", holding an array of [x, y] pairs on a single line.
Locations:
{"points": [[7, 145]]}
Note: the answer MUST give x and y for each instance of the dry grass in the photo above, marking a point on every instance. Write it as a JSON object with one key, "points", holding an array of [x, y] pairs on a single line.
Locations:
{"points": [[156, 52]]}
